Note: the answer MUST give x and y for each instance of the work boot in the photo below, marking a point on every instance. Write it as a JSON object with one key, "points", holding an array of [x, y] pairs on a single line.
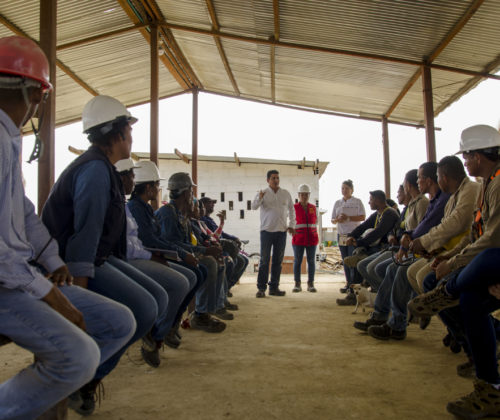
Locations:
{"points": [[385, 332], [231, 306], [344, 290], [297, 288], [349, 300], [311, 288], [484, 401], [277, 292], [171, 339], [150, 351], [206, 323], [363, 326], [260, 294], [83, 401], [222, 313], [431, 303]]}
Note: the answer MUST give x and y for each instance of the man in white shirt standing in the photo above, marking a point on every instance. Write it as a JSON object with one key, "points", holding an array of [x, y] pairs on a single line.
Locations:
{"points": [[274, 203]]}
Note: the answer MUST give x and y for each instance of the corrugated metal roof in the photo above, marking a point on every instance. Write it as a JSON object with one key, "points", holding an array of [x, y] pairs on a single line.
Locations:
{"points": [[330, 66]]}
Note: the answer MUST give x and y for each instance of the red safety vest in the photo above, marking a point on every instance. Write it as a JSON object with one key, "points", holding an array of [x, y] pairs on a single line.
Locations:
{"points": [[307, 232]]}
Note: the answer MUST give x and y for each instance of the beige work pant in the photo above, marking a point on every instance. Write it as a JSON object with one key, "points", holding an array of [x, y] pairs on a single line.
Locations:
{"points": [[416, 274]]}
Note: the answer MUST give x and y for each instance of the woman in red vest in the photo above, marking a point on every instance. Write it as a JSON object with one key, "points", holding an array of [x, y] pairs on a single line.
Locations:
{"points": [[306, 238]]}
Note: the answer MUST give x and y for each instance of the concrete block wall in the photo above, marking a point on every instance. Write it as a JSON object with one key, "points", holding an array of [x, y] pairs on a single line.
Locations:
{"points": [[215, 178]]}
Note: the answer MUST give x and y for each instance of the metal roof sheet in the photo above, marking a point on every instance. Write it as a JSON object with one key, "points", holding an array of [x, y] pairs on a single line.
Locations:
{"points": [[346, 56]]}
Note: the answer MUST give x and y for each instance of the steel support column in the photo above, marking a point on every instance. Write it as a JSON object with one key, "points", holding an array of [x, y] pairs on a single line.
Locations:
{"points": [[154, 104], [387, 163], [430, 138], [48, 28], [194, 153]]}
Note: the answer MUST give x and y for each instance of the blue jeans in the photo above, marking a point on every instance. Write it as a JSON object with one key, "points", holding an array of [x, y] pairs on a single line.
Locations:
{"points": [[209, 297], [196, 277], [367, 268], [175, 284], [115, 284], [298, 252], [451, 317], [241, 264], [382, 303], [276, 241], [476, 304], [67, 357], [352, 275], [401, 294]]}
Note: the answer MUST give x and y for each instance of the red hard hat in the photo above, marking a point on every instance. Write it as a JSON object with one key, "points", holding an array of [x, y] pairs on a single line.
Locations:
{"points": [[21, 56]]}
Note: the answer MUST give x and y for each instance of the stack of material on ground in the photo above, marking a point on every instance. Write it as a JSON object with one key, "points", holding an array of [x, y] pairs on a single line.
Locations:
{"points": [[330, 258]]}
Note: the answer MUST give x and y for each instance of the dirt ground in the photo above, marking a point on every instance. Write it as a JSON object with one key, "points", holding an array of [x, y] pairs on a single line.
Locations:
{"points": [[296, 357]]}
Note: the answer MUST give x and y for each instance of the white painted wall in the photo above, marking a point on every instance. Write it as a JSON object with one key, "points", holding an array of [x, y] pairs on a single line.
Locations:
{"points": [[229, 178]]}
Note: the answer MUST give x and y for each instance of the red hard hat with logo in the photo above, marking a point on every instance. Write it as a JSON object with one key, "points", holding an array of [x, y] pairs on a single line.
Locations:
{"points": [[23, 57]]}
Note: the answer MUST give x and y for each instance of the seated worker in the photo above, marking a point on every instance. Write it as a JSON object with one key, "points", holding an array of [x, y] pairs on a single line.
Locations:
{"points": [[395, 291], [38, 307], [476, 288], [175, 227], [480, 147], [202, 236], [241, 262], [458, 217], [370, 234], [373, 267], [85, 213], [177, 280]]}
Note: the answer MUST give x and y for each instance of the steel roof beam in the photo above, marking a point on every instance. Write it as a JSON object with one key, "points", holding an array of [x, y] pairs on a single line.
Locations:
{"points": [[171, 43], [438, 50], [305, 47], [222, 53]]}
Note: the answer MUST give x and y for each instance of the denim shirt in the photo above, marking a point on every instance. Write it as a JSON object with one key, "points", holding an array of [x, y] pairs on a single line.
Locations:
{"points": [[22, 235], [175, 228], [433, 215], [149, 230]]}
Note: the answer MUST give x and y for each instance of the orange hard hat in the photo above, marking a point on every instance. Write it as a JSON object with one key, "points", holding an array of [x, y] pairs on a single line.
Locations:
{"points": [[20, 56]]}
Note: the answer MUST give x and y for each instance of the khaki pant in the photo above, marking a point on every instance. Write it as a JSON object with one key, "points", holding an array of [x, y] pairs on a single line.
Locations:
{"points": [[416, 274]]}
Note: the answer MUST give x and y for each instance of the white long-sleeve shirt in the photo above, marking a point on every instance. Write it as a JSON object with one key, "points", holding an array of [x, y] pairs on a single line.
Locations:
{"points": [[22, 234], [274, 207]]}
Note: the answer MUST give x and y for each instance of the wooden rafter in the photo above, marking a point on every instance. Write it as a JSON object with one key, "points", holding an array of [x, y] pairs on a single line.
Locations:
{"points": [[18, 31], [326, 50], [181, 155], [166, 60], [218, 43], [472, 9], [171, 43], [237, 159]]}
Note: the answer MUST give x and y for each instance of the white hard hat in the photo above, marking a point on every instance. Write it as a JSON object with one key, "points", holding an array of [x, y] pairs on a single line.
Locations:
{"points": [[148, 172], [304, 188], [180, 181], [479, 137], [125, 165], [104, 109]]}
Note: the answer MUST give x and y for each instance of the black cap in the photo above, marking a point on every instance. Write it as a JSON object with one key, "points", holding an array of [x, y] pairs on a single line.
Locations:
{"points": [[207, 199]]}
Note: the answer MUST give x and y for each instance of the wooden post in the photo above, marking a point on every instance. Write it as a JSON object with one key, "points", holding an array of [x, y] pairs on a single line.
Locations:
{"points": [[430, 139], [387, 163], [154, 105], [194, 153], [48, 37]]}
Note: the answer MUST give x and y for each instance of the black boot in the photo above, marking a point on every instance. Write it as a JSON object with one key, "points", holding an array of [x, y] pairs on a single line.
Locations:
{"points": [[310, 287], [83, 401], [297, 287]]}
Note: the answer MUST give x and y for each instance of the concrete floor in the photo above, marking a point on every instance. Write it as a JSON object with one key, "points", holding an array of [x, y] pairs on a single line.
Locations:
{"points": [[296, 357]]}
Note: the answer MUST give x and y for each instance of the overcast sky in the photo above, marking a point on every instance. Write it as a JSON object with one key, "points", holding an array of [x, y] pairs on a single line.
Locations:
{"points": [[353, 147]]}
